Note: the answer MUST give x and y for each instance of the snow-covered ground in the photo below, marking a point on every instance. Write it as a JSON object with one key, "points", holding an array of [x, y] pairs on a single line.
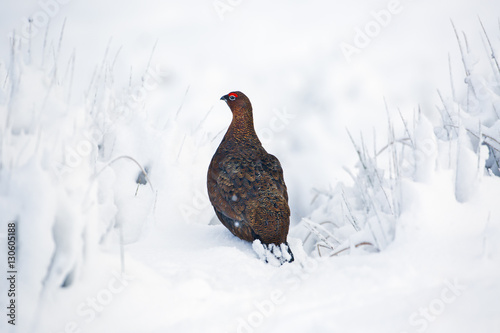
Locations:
{"points": [[394, 222]]}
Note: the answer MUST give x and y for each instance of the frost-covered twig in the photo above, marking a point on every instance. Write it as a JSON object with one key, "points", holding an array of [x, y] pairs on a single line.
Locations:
{"points": [[478, 152], [319, 246], [496, 111], [181, 147], [446, 109], [203, 119], [467, 72], [122, 249], [453, 94], [326, 193], [352, 220], [58, 52], [44, 46], [315, 228], [493, 56], [30, 21], [406, 127], [117, 54], [70, 71], [391, 137], [462, 52], [217, 135], [131, 159], [182, 103], [149, 61], [485, 136], [403, 141], [337, 252], [358, 151], [91, 83]]}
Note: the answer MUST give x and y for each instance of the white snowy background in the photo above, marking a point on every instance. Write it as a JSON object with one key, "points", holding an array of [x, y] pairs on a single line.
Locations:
{"points": [[386, 122]]}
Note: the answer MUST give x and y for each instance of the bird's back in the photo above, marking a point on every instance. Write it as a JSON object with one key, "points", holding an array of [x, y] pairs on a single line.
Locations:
{"points": [[246, 187]]}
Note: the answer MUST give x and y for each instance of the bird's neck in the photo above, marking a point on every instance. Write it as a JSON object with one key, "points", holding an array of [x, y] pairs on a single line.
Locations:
{"points": [[241, 128]]}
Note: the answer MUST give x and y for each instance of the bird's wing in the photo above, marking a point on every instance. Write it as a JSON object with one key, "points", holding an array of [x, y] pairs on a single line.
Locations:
{"points": [[231, 183], [272, 166], [242, 189], [232, 189]]}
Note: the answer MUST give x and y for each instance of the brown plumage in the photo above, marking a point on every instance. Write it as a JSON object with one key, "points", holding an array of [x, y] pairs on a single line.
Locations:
{"points": [[246, 185]]}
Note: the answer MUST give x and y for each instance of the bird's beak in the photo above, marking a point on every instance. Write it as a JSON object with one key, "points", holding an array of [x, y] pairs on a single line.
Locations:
{"points": [[224, 98]]}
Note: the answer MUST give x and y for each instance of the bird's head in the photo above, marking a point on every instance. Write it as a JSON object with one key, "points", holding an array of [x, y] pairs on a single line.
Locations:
{"points": [[237, 100]]}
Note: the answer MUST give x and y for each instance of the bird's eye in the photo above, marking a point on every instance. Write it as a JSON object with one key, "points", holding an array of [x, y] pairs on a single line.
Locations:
{"points": [[232, 96]]}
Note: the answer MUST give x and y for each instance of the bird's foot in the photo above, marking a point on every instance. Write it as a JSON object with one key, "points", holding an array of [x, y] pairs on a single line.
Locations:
{"points": [[274, 254]]}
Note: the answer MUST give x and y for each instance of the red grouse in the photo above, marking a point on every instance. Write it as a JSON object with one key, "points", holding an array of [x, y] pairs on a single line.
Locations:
{"points": [[246, 186]]}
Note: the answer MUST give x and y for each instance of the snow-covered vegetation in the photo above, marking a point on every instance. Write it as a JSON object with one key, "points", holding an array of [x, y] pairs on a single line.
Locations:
{"points": [[104, 152], [461, 143]]}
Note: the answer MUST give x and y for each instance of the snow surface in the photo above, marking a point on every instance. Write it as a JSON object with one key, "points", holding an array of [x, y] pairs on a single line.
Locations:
{"points": [[394, 224]]}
